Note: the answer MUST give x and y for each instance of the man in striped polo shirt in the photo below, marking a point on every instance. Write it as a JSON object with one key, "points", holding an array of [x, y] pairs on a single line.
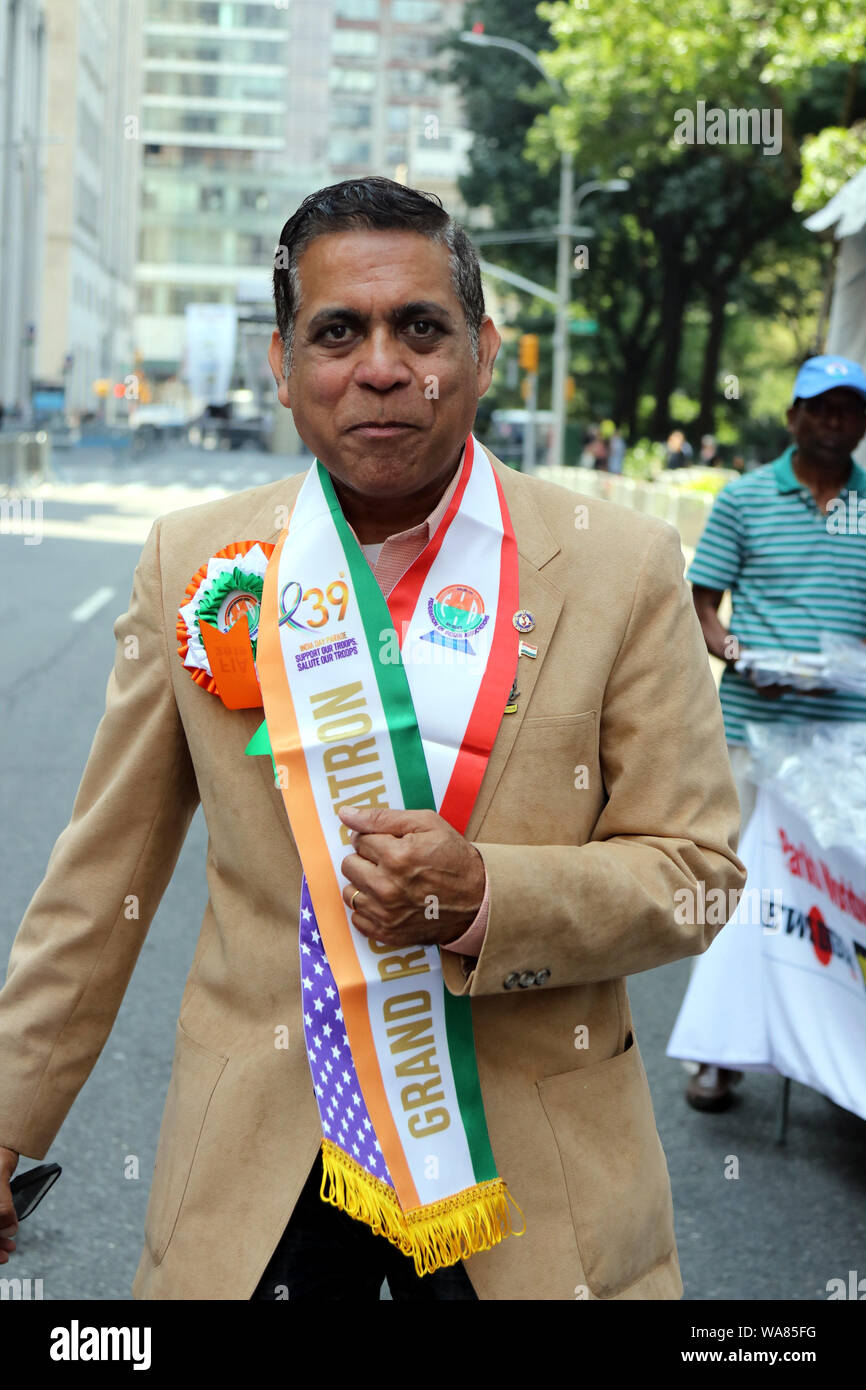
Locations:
{"points": [[795, 566]]}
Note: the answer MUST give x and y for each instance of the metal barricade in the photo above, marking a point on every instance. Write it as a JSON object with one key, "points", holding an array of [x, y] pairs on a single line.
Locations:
{"points": [[8, 462], [25, 461]]}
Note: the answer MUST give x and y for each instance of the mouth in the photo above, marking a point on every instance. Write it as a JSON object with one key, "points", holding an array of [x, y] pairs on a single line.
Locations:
{"points": [[370, 430]]}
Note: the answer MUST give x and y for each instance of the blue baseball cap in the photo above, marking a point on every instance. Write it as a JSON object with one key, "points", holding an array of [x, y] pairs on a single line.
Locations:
{"points": [[824, 373]]}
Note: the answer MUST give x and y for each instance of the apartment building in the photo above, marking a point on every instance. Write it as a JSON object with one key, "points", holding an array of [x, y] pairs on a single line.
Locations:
{"points": [[247, 107], [86, 245], [22, 129]]}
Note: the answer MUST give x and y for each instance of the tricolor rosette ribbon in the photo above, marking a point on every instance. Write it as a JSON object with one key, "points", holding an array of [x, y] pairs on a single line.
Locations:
{"points": [[217, 629]]}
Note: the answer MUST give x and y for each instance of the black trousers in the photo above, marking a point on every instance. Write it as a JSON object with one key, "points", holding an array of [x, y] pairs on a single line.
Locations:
{"points": [[325, 1254]]}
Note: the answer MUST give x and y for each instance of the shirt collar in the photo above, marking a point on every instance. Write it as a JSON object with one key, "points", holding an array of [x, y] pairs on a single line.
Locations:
{"points": [[787, 480]]}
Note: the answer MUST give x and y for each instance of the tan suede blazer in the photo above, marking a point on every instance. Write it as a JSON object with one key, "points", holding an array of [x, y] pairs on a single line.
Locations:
{"points": [[582, 865]]}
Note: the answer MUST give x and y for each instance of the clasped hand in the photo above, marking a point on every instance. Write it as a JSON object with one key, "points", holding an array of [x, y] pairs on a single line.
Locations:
{"points": [[418, 881]]}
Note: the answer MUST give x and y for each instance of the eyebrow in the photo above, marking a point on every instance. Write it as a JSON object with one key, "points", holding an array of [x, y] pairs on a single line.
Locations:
{"points": [[417, 308]]}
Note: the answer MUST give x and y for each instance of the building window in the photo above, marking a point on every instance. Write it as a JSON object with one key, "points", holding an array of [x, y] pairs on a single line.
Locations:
{"points": [[232, 86], [344, 149], [345, 113], [355, 43], [86, 209], [414, 47], [254, 250], [176, 297], [221, 49], [254, 200], [356, 9], [416, 11], [352, 80], [408, 81], [231, 123], [214, 13]]}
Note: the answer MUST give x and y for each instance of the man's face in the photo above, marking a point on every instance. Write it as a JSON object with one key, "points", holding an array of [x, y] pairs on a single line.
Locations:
{"points": [[360, 354], [828, 427]]}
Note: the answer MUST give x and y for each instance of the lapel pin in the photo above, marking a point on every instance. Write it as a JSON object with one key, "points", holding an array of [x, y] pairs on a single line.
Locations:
{"points": [[526, 649], [511, 707], [523, 620]]}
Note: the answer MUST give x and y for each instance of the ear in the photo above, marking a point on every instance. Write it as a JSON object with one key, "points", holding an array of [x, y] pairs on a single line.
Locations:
{"points": [[275, 361], [489, 343]]}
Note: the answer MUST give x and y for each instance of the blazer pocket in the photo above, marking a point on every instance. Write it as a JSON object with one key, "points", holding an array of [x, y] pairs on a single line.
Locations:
{"points": [[550, 787], [615, 1169], [194, 1075]]}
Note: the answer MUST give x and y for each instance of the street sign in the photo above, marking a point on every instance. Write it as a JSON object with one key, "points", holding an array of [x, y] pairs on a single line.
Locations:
{"points": [[583, 327]]}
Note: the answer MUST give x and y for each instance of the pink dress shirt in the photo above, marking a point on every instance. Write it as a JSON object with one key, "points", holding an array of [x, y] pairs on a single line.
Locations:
{"points": [[389, 561]]}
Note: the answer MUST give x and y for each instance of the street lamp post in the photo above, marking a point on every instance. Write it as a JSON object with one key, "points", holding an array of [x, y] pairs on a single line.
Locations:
{"points": [[564, 237], [564, 256]]}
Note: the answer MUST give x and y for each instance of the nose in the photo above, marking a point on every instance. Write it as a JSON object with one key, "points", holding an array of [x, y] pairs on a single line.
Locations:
{"points": [[381, 361]]}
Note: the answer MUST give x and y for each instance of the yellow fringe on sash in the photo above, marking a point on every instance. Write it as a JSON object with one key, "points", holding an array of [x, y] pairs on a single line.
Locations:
{"points": [[436, 1235]]}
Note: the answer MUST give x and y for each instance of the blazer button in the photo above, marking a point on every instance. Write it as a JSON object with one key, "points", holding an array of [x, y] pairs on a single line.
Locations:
{"points": [[510, 980], [527, 979], [542, 977]]}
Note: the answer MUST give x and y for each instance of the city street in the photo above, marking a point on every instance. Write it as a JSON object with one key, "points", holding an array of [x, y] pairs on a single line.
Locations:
{"points": [[788, 1223]]}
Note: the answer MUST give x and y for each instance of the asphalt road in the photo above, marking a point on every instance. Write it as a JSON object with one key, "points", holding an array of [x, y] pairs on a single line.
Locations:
{"points": [[791, 1221]]}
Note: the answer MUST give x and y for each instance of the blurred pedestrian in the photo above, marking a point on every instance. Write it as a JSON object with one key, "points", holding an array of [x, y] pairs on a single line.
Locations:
{"points": [[616, 452], [595, 450], [679, 451], [709, 455], [790, 577]]}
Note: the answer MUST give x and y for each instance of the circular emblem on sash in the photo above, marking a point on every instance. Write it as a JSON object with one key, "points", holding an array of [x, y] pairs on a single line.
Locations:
{"points": [[458, 610], [233, 595], [235, 606]]}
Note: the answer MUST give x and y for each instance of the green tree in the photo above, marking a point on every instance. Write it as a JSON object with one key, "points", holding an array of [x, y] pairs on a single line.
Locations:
{"points": [[632, 69]]}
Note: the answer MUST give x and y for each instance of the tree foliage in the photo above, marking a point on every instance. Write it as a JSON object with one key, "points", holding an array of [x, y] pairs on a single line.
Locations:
{"points": [[830, 159], [707, 232]]}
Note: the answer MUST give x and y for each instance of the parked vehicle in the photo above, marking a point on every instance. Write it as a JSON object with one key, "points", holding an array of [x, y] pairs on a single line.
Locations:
{"points": [[507, 430], [61, 432], [229, 426], [156, 425]]}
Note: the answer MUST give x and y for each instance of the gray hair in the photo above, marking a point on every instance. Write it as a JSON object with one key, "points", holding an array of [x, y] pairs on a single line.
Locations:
{"points": [[373, 204]]}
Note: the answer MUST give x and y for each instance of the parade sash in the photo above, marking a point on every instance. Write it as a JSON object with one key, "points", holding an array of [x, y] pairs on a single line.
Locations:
{"points": [[390, 704]]}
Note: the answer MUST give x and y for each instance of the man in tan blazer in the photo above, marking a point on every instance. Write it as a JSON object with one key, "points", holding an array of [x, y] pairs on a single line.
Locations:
{"points": [[608, 791]]}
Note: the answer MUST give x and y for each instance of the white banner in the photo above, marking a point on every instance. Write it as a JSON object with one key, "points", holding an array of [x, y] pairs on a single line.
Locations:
{"points": [[783, 986], [211, 337]]}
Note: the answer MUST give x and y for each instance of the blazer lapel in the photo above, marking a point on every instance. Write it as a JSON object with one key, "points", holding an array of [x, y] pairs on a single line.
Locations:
{"points": [[535, 546]]}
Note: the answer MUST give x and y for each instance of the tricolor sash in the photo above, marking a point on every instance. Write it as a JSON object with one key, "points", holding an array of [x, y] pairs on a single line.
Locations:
{"points": [[393, 704]]}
